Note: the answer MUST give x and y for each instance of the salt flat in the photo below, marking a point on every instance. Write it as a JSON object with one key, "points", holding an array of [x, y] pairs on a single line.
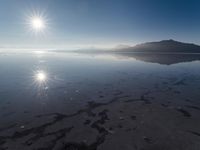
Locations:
{"points": [[98, 102]]}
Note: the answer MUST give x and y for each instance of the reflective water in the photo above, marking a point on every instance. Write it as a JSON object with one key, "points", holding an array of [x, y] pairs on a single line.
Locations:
{"points": [[44, 93]]}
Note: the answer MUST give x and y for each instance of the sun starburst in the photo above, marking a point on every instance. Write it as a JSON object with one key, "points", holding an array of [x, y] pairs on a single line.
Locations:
{"points": [[37, 22]]}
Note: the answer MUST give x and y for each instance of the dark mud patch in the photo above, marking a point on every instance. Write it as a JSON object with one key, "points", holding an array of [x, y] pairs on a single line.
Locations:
{"points": [[195, 133], [58, 135], [78, 146], [165, 105], [147, 140], [97, 124], [177, 92], [87, 122], [193, 107], [180, 82], [184, 112], [142, 98], [84, 146], [133, 117], [8, 127]]}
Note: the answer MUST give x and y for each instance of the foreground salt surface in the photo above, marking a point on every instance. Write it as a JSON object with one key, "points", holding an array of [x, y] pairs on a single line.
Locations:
{"points": [[98, 102]]}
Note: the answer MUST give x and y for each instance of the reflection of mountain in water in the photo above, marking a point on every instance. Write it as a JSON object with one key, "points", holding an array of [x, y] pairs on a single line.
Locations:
{"points": [[164, 52], [166, 59]]}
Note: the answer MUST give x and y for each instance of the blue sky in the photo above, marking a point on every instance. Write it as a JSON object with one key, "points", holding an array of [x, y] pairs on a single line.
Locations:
{"points": [[100, 23]]}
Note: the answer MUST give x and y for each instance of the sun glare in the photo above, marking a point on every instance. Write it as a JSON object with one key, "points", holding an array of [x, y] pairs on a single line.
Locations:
{"points": [[37, 23], [41, 77]]}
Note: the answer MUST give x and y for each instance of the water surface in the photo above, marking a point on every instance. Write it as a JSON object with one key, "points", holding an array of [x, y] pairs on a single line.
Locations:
{"points": [[63, 101]]}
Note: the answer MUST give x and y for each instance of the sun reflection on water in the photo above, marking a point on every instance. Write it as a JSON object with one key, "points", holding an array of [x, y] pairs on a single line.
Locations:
{"points": [[40, 77], [40, 83]]}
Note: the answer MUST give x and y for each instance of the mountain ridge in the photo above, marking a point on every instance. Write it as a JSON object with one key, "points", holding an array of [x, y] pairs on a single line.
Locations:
{"points": [[170, 46]]}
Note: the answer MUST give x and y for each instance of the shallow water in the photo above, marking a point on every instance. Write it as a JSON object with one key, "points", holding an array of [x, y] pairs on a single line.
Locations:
{"points": [[98, 101]]}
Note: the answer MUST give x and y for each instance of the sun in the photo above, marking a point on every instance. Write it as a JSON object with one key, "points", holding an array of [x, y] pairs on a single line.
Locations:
{"points": [[37, 23]]}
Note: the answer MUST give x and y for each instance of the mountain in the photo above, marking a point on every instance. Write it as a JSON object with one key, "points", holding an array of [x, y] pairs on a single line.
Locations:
{"points": [[165, 46], [163, 52]]}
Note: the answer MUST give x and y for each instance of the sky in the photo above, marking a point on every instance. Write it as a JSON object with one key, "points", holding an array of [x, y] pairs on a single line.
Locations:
{"points": [[97, 23]]}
